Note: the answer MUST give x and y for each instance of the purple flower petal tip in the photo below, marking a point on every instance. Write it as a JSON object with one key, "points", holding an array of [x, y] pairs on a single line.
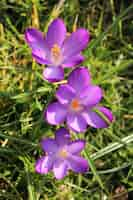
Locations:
{"points": [[75, 43], [27, 34], [48, 145], [55, 113], [107, 113], [91, 95], [72, 61], [33, 36], [79, 78], [60, 169], [56, 33], [53, 74], [85, 34], [77, 146], [78, 164], [62, 136], [43, 165], [96, 120]]}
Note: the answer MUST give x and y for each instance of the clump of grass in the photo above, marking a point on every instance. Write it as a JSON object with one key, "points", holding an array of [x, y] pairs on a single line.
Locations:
{"points": [[24, 95]]}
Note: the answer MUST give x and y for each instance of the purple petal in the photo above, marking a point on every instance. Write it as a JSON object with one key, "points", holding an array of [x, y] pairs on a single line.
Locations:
{"points": [[40, 57], [44, 164], [91, 95], [60, 169], [95, 120], [78, 164], [53, 74], [36, 41], [56, 33], [79, 79], [75, 43], [72, 61], [49, 145], [76, 147], [55, 113], [65, 94], [76, 122], [108, 114], [34, 38], [62, 137]]}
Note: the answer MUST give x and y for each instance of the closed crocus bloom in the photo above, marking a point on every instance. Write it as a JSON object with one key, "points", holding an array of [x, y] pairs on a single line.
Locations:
{"points": [[78, 104], [57, 50], [62, 155]]}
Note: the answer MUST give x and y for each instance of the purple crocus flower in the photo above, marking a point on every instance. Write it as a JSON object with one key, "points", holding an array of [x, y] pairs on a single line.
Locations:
{"points": [[62, 155], [78, 104], [57, 50]]}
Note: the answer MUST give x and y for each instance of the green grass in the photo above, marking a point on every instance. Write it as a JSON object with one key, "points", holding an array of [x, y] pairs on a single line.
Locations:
{"points": [[24, 95]]}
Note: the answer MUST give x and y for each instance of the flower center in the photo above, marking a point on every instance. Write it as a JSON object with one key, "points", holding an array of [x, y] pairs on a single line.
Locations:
{"points": [[63, 153], [75, 105], [56, 54], [55, 50]]}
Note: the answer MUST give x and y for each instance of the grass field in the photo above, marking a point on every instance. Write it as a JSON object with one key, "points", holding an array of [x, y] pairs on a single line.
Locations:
{"points": [[24, 95]]}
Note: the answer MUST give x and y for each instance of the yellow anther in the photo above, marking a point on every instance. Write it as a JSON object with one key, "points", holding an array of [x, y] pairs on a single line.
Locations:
{"points": [[63, 153], [55, 50]]}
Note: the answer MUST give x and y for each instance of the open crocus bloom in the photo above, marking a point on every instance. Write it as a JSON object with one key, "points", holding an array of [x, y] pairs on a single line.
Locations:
{"points": [[78, 104], [57, 50], [62, 155]]}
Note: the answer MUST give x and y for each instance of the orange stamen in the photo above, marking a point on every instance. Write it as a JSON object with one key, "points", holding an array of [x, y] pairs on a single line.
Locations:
{"points": [[75, 104]]}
